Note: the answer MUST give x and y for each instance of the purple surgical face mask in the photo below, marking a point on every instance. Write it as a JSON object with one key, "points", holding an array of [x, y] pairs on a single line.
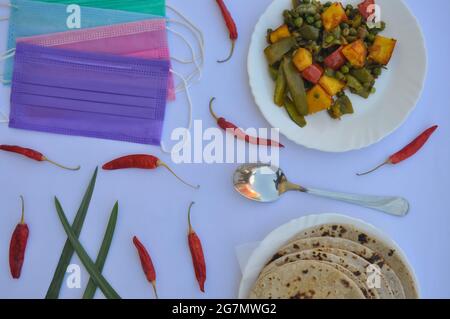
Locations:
{"points": [[88, 94], [145, 39]]}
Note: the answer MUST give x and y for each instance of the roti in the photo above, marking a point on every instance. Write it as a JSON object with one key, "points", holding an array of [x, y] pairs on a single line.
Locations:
{"points": [[352, 265], [305, 279], [364, 252], [388, 253]]}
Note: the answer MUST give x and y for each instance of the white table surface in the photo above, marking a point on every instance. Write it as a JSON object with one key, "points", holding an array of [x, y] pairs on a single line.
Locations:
{"points": [[153, 204]]}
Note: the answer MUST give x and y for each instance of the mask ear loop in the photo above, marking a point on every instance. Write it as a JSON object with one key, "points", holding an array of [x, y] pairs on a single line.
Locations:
{"points": [[9, 6], [8, 54], [198, 67], [190, 107]]}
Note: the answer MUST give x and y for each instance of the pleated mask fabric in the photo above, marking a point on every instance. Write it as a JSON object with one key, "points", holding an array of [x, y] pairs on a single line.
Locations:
{"points": [[30, 18], [88, 94], [145, 39], [156, 7]]}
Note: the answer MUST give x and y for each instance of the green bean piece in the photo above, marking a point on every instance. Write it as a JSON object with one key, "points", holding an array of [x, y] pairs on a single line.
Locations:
{"points": [[273, 73], [105, 287], [296, 86], [280, 88], [363, 76], [276, 51], [353, 83], [293, 113], [377, 71], [67, 252], [334, 111], [309, 32], [345, 105], [91, 287], [345, 69]]}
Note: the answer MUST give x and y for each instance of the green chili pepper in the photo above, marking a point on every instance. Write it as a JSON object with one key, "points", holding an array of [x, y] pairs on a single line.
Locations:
{"points": [[296, 86], [280, 88], [276, 51], [309, 32], [293, 113]]}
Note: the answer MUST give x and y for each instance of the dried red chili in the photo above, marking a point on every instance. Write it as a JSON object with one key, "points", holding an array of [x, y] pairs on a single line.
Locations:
{"points": [[231, 25], [141, 161], [18, 245], [34, 155], [198, 258], [408, 151], [147, 264], [228, 126]]}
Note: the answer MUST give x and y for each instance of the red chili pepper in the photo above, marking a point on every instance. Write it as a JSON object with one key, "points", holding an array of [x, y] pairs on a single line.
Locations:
{"points": [[228, 126], [34, 155], [231, 25], [408, 151], [363, 8], [18, 245], [147, 264], [198, 258], [141, 161]]}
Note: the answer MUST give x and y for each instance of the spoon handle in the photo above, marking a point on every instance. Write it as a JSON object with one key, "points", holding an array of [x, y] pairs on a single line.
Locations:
{"points": [[396, 206]]}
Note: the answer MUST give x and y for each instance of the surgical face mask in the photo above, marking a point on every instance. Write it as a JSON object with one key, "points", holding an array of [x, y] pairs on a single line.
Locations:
{"points": [[145, 39], [88, 94], [30, 18], [156, 7]]}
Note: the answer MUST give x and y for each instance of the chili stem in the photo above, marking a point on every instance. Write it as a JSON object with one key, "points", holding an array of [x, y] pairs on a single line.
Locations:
{"points": [[211, 109], [154, 289], [233, 43], [160, 163], [22, 220], [189, 217], [61, 166], [373, 170]]}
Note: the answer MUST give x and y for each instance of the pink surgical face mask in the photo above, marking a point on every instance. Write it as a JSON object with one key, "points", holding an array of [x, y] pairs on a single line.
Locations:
{"points": [[145, 39]]}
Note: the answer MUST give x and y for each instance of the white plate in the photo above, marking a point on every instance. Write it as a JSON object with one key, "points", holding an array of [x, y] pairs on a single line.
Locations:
{"points": [[398, 89], [283, 234]]}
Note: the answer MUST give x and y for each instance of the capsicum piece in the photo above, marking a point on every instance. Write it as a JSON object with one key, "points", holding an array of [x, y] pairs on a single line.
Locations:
{"points": [[335, 60], [313, 73]]}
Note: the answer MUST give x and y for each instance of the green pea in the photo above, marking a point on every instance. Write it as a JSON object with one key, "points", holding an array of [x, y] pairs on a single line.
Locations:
{"points": [[298, 22], [318, 24], [353, 31], [377, 71], [345, 69], [318, 17], [329, 39], [339, 75], [344, 25], [310, 20], [345, 32], [349, 7], [373, 90]]}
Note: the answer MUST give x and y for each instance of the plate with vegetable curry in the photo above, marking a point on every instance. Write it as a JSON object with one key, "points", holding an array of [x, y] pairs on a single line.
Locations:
{"points": [[337, 76]]}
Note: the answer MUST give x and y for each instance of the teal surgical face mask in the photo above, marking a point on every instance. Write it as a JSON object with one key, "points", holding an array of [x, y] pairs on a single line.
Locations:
{"points": [[30, 18], [156, 7]]}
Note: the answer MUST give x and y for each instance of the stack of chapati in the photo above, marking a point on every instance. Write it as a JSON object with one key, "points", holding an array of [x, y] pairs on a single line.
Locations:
{"points": [[335, 261]]}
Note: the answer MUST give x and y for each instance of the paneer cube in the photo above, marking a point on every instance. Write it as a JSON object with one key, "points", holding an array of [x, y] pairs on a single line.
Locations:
{"points": [[318, 100], [334, 16], [281, 33], [302, 59], [356, 53], [382, 49], [331, 85]]}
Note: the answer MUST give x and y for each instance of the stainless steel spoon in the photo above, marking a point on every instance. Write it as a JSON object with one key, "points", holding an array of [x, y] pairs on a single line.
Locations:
{"points": [[265, 183]]}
